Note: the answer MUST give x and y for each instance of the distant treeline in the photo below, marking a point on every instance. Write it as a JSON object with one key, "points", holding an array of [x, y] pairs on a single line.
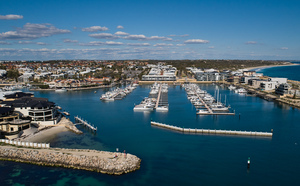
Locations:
{"points": [[217, 64]]}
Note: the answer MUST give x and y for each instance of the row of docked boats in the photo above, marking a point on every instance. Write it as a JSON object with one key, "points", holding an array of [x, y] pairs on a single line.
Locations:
{"points": [[155, 99], [118, 93], [204, 102]]}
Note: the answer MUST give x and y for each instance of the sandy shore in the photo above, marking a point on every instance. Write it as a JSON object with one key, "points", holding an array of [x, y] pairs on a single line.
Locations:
{"points": [[270, 66], [45, 135]]}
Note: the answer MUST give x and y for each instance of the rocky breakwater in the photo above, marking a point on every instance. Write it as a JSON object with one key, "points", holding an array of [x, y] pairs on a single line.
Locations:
{"points": [[69, 125], [91, 160]]}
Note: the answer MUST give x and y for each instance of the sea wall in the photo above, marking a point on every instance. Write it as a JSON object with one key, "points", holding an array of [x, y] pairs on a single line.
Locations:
{"points": [[91, 160], [26, 144]]}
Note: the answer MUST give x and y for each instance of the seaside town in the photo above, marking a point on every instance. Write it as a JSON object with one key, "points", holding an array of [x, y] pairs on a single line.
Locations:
{"points": [[26, 119]]}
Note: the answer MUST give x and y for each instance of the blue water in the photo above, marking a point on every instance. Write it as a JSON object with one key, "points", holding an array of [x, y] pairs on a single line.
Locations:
{"points": [[290, 72], [173, 158]]}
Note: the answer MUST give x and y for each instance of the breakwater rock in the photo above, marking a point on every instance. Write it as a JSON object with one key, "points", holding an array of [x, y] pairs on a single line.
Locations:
{"points": [[69, 125], [91, 160]]}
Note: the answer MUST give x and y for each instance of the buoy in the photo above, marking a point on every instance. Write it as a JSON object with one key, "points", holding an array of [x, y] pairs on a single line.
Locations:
{"points": [[248, 163]]}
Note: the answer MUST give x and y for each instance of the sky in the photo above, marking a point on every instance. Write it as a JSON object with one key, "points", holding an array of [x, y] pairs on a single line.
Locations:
{"points": [[152, 29]]}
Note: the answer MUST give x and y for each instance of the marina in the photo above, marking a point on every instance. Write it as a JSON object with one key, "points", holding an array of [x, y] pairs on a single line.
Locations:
{"points": [[205, 103], [118, 94], [157, 100], [195, 155]]}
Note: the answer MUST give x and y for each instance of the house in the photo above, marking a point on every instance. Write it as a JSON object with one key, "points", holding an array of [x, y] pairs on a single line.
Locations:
{"points": [[11, 124], [39, 110]]}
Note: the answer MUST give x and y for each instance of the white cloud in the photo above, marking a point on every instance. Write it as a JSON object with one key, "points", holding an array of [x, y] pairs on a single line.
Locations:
{"points": [[138, 44], [211, 47], [251, 42], [94, 29], [143, 37], [11, 16], [104, 36], [31, 42], [92, 43], [284, 48], [180, 44], [120, 27], [196, 41], [135, 37], [162, 44], [184, 35], [121, 33], [4, 43], [70, 41], [113, 43], [32, 31], [159, 38], [41, 43], [25, 42], [98, 43]]}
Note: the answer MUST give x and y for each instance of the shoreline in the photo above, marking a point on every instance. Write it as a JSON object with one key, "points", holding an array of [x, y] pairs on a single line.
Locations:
{"points": [[270, 66], [47, 133]]}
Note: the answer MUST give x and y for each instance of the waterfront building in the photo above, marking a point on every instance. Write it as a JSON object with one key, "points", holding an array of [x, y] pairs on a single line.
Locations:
{"points": [[11, 124], [245, 79], [278, 80], [208, 76], [268, 85], [283, 89], [39, 110], [161, 73]]}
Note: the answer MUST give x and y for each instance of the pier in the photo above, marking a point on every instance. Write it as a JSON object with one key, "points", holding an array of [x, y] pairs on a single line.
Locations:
{"points": [[79, 121], [209, 131], [205, 105], [158, 97]]}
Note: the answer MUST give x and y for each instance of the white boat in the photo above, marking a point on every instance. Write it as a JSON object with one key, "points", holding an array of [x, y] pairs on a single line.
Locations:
{"points": [[240, 90], [162, 108], [219, 108], [231, 87], [203, 111], [61, 90], [143, 107]]}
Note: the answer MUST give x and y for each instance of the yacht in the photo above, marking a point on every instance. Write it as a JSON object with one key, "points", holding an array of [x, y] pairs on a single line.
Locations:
{"points": [[162, 108], [231, 87], [240, 90], [143, 107], [61, 90]]}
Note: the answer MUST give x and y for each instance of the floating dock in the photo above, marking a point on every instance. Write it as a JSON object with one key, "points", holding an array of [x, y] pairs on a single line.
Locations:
{"points": [[217, 113], [80, 121], [208, 131]]}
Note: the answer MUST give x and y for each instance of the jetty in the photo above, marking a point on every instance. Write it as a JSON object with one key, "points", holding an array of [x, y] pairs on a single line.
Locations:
{"points": [[114, 163], [209, 131], [80, 121], [158, 97]]}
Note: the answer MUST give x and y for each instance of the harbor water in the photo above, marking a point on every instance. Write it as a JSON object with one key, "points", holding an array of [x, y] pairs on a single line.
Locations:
{"points": [[170, 157]]}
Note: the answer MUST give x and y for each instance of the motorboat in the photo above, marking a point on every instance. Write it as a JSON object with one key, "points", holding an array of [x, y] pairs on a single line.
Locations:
{"points": [[240, 90], [61, 90], [162, 108]]}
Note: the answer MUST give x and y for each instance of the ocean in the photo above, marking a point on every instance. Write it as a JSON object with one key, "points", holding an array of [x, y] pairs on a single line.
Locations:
{"points": [[174, 158], [290, 72]]}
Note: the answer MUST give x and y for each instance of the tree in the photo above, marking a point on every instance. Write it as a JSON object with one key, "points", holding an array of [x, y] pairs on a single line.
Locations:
{"points": [[13, 74]]}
